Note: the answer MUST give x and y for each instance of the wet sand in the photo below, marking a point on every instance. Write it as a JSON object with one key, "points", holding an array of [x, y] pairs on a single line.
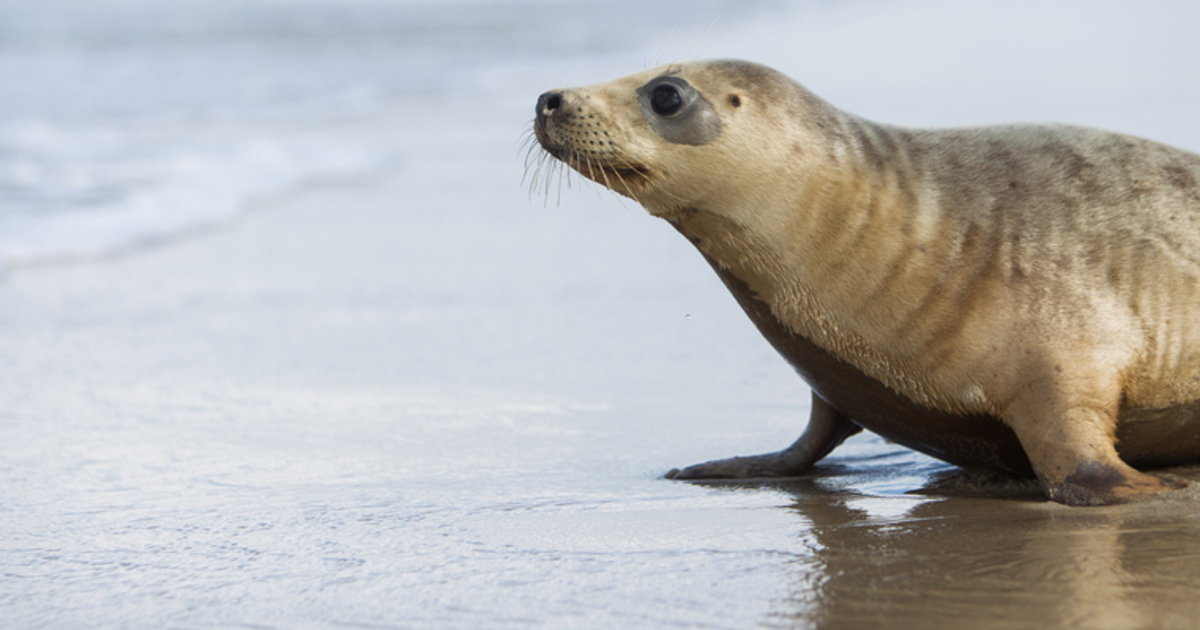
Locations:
{"points": [[428, 401]]}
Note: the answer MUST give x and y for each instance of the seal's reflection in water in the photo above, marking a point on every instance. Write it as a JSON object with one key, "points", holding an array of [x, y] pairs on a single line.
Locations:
{"points": [[956, 549]]}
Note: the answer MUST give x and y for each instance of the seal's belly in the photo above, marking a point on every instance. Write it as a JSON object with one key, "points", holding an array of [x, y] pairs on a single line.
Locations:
{"points": [[1145, 437]]}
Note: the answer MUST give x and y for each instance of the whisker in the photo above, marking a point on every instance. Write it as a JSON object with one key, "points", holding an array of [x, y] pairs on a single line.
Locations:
{"points": [[591, 172], [529, 148], [624, 185], [593, 175], [531, 161], [547, 185], [604, 174], [541, 173], [558, 198], [658, 52], [551, 167], [688, 54]]}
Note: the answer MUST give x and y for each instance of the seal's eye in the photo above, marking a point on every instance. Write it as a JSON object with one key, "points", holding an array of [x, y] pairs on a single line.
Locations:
{"points": [[666, 100], [677, 111]]}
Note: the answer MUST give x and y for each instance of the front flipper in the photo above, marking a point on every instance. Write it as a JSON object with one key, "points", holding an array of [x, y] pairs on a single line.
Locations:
{"points": [[826, 429]]}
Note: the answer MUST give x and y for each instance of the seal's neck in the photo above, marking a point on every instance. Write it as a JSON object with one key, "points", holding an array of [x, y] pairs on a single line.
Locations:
{"points": [[866, 224], [840, 258], [836, 226]]}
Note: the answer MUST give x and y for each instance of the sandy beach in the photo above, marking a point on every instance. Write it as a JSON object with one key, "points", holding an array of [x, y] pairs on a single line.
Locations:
{"points": [[423, 397]]}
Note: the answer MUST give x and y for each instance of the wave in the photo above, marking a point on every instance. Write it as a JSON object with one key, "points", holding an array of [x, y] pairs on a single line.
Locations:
{"points": [[73, 190]]}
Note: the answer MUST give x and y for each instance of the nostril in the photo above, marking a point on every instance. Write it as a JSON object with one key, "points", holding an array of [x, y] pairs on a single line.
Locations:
{"points": [[549, 103]]}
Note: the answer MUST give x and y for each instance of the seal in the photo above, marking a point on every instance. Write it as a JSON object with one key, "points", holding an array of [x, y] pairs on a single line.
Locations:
{"points": [[1024, 298]]}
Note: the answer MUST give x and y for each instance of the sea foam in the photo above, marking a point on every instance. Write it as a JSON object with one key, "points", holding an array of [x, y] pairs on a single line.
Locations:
{"points": [[72, 190]]}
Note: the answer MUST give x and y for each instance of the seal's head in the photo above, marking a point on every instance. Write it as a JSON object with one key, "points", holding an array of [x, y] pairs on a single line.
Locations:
{"points": [[682, 135]]}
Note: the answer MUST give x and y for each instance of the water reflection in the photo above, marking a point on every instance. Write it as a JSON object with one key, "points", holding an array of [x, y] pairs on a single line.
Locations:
{"points": [[966, 550]]}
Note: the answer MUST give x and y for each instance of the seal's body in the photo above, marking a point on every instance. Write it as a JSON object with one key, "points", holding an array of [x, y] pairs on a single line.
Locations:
{"points": [[1025, 298]]}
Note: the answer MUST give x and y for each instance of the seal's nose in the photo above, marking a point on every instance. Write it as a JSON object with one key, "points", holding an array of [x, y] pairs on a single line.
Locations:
{"points": [[549, 104]]}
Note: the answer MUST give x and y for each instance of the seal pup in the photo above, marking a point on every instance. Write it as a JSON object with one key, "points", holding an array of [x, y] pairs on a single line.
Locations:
{"points": [[1024, 298]]}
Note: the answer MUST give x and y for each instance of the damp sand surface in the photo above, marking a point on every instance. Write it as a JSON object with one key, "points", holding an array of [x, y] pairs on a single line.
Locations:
{"points": [[421, 397]]}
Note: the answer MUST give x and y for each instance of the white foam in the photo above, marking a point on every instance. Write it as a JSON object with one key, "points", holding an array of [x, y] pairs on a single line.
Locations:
{"points": [[78, 190]]}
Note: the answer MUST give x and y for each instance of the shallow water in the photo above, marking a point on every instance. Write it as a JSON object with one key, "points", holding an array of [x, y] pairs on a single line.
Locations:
{"points": [[418, 398]]}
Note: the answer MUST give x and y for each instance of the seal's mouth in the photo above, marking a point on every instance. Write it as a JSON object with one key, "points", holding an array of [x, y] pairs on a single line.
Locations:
{"points": [[621, 177], [626, 179], [631, 176]]}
